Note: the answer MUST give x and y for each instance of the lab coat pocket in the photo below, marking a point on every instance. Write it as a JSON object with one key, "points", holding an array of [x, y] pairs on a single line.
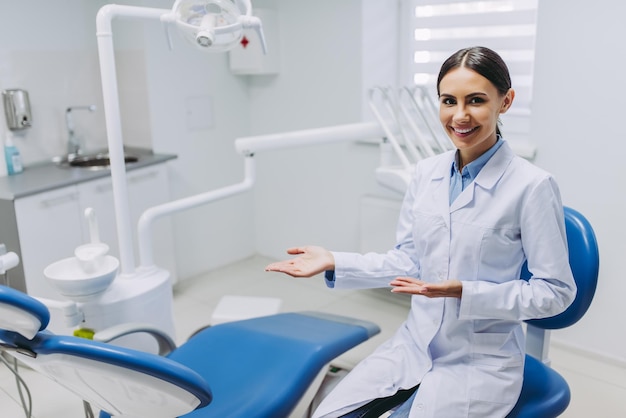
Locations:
{"points": [[501, 253], [496, 349]]}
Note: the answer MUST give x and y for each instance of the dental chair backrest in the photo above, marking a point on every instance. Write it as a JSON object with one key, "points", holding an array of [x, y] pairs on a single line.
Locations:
{"points": [[545, 393], [584, 260], [141, 384]]}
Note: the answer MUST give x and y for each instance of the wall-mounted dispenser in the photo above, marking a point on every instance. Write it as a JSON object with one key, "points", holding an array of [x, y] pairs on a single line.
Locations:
{"points": [[17, 109]]}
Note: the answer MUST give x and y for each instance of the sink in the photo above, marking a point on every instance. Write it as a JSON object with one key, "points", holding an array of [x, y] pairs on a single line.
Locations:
{"points": [[92, 161]]}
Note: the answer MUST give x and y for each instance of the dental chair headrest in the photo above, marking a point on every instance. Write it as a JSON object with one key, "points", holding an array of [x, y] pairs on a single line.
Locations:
{"points": [[21, 313]]}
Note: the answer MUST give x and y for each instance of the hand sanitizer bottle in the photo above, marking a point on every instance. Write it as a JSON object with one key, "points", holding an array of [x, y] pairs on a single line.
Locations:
{"points": [[12, 156]]}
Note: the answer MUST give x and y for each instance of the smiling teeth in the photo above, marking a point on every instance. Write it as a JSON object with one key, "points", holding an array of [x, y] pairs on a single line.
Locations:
{"points": [[463, 131]]}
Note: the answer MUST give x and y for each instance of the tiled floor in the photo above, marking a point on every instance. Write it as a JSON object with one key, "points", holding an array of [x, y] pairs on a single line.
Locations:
{"points": [[598, 388]]}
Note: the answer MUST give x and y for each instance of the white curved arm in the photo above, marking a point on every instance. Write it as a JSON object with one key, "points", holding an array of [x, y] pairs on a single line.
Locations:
{"points": [[164, 341]]}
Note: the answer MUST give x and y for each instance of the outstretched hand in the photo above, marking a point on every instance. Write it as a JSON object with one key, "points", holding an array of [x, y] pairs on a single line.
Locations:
{"points": [[311, 260], [447, 288]]}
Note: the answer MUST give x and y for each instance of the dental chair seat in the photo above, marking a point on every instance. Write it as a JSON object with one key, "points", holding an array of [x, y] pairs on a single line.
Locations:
{"points": [[266, 364], [545, 392], [259, 367]]}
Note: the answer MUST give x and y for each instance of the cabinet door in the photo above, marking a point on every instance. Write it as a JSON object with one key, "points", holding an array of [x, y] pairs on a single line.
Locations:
{"points": [[49, 228], [147, 187]]}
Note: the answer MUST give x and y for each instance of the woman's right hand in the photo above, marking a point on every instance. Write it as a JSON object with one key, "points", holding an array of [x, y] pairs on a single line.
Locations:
{"points": [[311, 260]]}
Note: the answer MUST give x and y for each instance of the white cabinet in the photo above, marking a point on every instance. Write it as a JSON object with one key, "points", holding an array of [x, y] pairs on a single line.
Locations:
{"points": [[51, 224], [49, 229]]}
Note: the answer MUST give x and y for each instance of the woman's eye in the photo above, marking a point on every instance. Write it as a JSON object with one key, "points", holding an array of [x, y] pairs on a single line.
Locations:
{"points": [[447, 101], [476, 100]]}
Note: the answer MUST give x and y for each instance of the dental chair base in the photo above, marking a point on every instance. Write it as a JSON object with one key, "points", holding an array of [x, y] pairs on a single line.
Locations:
{"points": [[145, 297]]}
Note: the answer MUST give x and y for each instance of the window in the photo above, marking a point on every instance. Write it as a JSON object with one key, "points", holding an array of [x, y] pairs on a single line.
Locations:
{"points": [[438, 28]]}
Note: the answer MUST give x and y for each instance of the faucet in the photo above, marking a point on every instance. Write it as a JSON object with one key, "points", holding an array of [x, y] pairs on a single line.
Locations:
{"points": [[73, 144]]}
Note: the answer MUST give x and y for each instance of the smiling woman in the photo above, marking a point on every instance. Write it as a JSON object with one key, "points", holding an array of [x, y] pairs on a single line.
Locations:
{"points": [[463, 336], [474, 89]]}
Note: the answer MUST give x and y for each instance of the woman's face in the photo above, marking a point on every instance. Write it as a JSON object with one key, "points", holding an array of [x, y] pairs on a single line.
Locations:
{"points": [[469, 106]]}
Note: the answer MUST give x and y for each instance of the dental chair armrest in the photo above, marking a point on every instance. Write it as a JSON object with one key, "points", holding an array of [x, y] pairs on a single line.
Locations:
{"points": [[164, 341]]}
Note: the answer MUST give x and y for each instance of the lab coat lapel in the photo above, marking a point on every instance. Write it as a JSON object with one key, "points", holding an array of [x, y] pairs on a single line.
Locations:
{"points": [[464, 198], [440, 181], [487, 178]]}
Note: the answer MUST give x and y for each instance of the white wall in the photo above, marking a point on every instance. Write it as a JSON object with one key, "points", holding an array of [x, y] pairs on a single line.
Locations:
{"points": [[311, 195], [577, 125], [222, 232], [49, 49]]}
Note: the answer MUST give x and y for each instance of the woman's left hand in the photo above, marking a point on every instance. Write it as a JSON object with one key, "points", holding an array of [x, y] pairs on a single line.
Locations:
{"points": [[445, 289]]}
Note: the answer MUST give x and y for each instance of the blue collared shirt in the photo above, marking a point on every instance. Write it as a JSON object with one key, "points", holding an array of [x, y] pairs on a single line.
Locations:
{"points": [[460, 180]]}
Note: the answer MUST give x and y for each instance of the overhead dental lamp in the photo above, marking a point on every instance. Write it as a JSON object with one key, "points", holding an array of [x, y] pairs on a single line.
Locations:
{"points": [[216, 25], [211, 25]]}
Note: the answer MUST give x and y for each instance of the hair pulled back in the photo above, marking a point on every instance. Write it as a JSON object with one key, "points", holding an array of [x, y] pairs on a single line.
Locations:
{"points": [[482, 60]]}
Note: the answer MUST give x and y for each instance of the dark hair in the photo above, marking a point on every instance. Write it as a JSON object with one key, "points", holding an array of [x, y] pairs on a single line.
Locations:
{"points": [[482, 60]]}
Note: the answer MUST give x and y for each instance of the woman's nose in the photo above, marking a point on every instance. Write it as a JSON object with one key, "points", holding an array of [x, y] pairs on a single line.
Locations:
{"points": [[461, 114]]}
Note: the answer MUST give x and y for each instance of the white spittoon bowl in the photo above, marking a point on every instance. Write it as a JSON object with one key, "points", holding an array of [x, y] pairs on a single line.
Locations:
{"points": [[71, 280]]}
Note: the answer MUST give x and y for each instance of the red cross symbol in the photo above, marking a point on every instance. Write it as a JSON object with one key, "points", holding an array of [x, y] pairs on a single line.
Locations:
{"points": [[244, 42]]}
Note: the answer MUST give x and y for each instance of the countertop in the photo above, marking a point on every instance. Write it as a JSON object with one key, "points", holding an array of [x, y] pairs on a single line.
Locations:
{"points": [[45, 176]]}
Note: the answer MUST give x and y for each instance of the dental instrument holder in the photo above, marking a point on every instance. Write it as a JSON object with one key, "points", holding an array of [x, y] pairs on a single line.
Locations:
{"points": [[91, 256], [17, 109]]}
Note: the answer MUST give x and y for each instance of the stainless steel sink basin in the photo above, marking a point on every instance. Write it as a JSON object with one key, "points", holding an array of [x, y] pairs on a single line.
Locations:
{"points": [[92, 161]]}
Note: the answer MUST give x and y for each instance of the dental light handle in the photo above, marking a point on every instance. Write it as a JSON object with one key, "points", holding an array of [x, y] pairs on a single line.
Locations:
{"points": [[206, 36]]}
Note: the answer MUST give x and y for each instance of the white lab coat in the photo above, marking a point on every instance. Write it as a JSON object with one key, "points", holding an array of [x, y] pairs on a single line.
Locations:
{"points": [[467, 354]]}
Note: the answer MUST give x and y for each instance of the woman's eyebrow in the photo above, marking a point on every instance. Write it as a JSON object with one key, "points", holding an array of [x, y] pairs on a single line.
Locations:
{"points": [[468, 96], [478, 93]]}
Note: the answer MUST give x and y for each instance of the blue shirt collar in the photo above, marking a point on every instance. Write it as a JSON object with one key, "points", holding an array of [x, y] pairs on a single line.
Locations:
{"points": [[472, 169]]}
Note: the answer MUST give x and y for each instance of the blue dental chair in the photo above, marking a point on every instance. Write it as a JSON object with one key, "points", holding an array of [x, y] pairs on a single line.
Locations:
{"points": [[545, 393], [259, 367], [265, 364]]}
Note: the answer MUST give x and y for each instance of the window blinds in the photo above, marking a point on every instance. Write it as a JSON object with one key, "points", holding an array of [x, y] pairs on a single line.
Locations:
{"points": [[441, 27]]}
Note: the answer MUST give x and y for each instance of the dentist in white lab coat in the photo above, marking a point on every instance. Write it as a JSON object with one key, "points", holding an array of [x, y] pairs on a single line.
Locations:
{"points": [[469, 220]]}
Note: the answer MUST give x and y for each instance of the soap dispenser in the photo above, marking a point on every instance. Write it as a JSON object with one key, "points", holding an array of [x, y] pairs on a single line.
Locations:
{"points": [[17, 109], [12, 156]]}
